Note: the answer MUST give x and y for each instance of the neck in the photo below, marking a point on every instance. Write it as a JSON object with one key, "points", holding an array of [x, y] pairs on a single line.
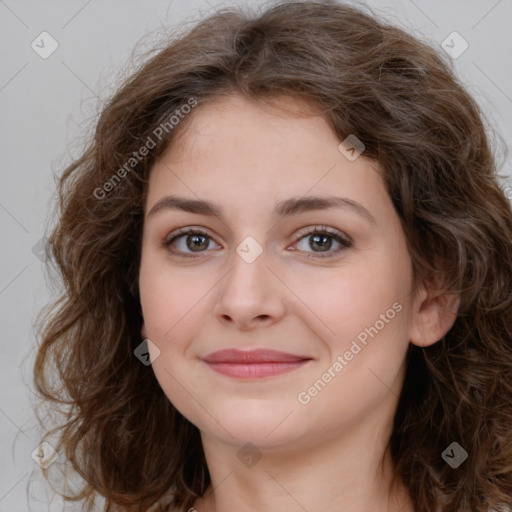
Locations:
{"points": [[351, 475]]}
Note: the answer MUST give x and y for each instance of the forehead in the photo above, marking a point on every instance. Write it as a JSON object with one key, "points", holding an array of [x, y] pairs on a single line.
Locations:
{"points": [[241, 123], [246, 150], [270, 136]]}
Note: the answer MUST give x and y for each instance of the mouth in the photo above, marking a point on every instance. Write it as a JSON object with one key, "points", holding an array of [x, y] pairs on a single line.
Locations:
{"points": [[254, 364]]}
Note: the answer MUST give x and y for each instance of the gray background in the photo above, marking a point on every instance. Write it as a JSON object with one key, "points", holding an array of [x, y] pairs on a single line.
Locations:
{"points": [[47, 105]]}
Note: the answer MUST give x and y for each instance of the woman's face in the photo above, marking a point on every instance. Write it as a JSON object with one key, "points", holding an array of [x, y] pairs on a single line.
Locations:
{"points": [[337, 302]]}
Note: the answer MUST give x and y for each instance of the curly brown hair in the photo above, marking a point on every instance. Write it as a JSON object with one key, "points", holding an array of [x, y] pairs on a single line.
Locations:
{"points": [[400, 97]]}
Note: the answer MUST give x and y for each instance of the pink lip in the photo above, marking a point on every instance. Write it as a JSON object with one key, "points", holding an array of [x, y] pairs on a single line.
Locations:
{"points": [[253, 364]]}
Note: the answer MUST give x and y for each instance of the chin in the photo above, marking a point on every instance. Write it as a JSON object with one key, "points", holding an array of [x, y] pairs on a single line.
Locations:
{"points": [[261, 426]]}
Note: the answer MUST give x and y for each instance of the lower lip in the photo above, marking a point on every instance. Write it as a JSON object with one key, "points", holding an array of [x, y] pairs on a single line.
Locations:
{"points": [[255, 370]]}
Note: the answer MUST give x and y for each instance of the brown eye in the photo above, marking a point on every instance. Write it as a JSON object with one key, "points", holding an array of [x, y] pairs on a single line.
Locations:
{"points": [[188, 241], [321, 238]]}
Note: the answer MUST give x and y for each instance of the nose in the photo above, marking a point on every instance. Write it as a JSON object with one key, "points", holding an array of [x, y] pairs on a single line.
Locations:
{"points": [[250, 295]]}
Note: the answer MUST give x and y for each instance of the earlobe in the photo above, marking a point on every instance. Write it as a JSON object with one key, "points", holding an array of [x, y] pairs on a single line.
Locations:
{"points": [[434, 315]]}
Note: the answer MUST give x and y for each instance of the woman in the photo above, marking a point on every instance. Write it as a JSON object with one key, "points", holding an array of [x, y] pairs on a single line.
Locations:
{"points": [[213, 357]]}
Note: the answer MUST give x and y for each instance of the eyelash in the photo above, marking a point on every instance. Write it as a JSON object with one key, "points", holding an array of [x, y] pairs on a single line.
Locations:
{"points": [[345, 243]]}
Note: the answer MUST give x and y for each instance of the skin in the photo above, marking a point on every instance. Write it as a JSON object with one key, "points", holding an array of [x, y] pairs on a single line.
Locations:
{"points": [[246, 156]]}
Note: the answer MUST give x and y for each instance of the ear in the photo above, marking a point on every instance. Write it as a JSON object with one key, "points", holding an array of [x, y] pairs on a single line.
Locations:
{"points": [[435, 312]]}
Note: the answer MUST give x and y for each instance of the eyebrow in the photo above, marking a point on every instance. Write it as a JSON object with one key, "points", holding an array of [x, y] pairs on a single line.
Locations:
{"points": [[287, 207]]}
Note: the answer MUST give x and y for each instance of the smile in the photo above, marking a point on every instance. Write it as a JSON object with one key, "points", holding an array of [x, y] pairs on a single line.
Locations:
{"points": [[253, 364]]}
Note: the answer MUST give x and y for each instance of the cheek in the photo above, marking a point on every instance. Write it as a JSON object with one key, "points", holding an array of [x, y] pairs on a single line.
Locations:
{"points": [[171, 307], [366, 316], [346, 301], [175, 303], [166, 297]]}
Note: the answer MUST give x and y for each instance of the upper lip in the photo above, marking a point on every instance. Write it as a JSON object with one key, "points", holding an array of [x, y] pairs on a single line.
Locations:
{"points": [[252, 356]]}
